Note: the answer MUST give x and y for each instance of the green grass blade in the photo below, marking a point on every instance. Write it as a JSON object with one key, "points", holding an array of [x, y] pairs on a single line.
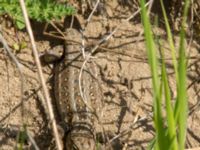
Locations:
{"points": [[171, 132], [182, 90], [151, 144], [180, 73], [151, 52], [182, 98], [170, 40]]}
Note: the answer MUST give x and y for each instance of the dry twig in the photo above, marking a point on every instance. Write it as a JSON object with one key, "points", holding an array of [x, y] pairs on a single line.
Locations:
{"points": [[19, 66], [32, 140], [40, 73], [89, 56]]}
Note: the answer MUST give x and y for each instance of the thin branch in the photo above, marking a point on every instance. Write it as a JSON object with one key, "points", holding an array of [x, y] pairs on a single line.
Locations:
{"points": [[89, 56], [116, 28], [40, 73], [32, 140], [91, 14], [27, 98], [57, 29], [18, 65], [83, 44], [80, 88], [136, 121]]}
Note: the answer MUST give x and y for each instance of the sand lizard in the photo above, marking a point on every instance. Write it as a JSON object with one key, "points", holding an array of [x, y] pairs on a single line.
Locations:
{"points": [[68, 98]]}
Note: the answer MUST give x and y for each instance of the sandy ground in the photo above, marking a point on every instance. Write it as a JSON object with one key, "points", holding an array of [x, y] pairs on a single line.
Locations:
{"points": [[123, 76]]}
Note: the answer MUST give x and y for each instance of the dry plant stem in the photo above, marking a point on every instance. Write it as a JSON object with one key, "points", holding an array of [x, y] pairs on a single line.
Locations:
{"points": [[50, 34], [62, 37], [8, 97], [82, 31], [91, 14], [19, 66], [42, 99], [104, 39], [8, 50], [72, 21], [59, 31], [116, 28], [32, 140], [87, 57], [97, 46], [80, 89], [126, 131], [84, 56], [44, 87], [40, 96], [83, 44]]}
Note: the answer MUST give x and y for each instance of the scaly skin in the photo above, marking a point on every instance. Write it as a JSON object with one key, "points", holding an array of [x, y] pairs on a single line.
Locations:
{"points": [[68, 98]]}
